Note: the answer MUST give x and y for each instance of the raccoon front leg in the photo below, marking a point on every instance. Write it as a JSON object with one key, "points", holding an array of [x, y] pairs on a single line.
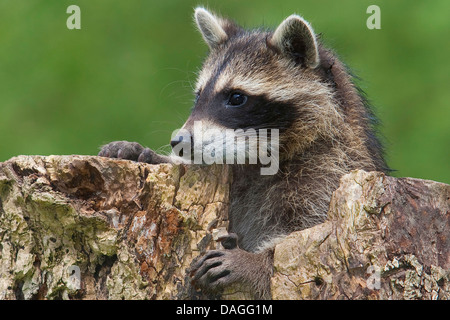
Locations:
{"points": [[219, 269], [132, 151]]}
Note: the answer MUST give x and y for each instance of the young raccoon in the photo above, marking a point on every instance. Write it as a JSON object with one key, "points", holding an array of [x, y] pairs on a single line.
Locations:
{"points": [[286, 80]]}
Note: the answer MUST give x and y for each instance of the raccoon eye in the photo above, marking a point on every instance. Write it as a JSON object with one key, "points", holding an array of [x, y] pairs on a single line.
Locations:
{"points": [[237, 99]]}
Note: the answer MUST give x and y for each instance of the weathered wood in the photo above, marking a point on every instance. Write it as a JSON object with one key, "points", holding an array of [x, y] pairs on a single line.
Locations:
{"points": [[385, 238], [131, 230]]}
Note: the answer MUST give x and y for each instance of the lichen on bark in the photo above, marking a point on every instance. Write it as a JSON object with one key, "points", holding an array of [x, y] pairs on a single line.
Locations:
{"points": [[385, 238], [130, 229], [81, 227]]}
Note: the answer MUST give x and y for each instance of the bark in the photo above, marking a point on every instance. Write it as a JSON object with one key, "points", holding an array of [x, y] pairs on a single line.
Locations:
{"points": [[385, 238], [81, 227]]}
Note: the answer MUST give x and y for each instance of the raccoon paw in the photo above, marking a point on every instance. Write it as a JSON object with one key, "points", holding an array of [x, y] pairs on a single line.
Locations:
{"points": [[128, 151], [220, 269]]}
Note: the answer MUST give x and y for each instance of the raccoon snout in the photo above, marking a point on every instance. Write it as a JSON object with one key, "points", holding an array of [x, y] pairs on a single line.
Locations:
{"points": [[176, 141], [179, 143]]}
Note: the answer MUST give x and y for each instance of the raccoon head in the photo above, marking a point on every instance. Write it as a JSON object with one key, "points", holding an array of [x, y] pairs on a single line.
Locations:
{"points": [[259, 80]]}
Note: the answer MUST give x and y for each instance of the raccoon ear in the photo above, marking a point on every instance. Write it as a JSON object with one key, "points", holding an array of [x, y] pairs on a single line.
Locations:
{"points": [[211, 27], [295, 37]]}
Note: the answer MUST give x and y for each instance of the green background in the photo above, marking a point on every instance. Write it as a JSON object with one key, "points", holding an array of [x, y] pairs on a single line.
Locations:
{"points": [[128, 73]]}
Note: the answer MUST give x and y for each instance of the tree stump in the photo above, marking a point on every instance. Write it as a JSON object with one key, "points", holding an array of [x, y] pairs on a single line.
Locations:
{"points": [[82, 227], [385, 238]]}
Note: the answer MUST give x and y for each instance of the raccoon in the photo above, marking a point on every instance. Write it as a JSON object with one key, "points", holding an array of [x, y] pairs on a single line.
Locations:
{"points": [[283, 79]]}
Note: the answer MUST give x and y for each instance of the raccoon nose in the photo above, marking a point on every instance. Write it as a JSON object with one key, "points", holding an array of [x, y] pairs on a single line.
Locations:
{"points": [[182, 143], [176, 141]]}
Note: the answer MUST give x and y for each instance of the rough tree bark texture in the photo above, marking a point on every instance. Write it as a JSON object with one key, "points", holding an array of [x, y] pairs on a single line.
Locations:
{"points": [[95, 228], [385, 238], [80, 227]]}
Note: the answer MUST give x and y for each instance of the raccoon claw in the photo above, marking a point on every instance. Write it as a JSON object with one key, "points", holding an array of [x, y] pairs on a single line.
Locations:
{"points": [[147, 155], [128, 151], [229, 241], [220, 269], [215, 270], [121, 150]]}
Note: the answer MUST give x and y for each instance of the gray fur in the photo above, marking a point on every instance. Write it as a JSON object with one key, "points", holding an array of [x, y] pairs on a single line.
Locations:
{"points": [[326, 130]]}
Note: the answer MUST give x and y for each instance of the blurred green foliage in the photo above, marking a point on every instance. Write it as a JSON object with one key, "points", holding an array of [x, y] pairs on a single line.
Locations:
{"points": [[128, 73]]}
